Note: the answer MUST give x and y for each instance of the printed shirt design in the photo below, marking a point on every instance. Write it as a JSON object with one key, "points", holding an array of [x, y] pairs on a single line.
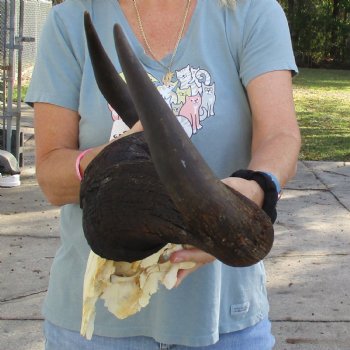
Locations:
{"points": [[190, 94]]}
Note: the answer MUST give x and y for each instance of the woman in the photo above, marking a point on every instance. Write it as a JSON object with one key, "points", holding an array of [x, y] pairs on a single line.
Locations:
{"points": [[225, 69]]}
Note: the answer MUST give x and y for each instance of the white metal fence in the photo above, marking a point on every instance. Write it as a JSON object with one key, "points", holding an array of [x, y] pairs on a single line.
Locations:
{"points": [[35, 13], [34, 16], [21, 22]]}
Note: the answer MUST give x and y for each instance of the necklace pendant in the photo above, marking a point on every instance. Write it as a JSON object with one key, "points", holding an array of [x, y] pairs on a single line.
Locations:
{"points": [[167, 77]]}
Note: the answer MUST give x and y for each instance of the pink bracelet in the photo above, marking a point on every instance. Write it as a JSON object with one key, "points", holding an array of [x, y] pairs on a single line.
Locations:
{"points": [[77, 163]]}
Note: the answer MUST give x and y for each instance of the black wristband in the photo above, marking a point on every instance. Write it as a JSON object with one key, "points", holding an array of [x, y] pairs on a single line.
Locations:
{"points": [[267, 185]]}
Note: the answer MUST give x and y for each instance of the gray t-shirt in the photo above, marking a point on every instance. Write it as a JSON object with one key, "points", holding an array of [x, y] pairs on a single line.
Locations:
{"points": [[222, 51]]}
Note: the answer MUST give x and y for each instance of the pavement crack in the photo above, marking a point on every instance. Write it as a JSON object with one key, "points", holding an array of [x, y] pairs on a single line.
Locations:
{"points": [[339, 201], [335, 173], [327, 187], [29, 137], [22, 296]]}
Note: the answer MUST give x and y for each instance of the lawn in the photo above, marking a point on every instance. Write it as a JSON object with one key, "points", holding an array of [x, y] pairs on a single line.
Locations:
{"points": [[322, 100]]}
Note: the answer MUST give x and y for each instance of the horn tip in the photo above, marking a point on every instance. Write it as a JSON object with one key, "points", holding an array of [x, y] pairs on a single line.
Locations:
{"points": [[87, 19], [117, 30]]}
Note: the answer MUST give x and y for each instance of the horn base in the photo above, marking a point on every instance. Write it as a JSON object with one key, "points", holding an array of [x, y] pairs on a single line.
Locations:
{"points": [[128, 214]]}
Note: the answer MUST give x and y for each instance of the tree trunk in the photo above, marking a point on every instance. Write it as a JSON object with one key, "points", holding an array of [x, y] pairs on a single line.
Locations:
{"points": [[334, 29]]}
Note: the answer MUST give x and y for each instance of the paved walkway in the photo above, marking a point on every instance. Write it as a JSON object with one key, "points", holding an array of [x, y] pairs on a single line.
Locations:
{"points": [[308, 269]]}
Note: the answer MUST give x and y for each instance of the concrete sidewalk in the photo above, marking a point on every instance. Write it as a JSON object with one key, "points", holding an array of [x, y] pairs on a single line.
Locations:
{"points": [[308, 268]]}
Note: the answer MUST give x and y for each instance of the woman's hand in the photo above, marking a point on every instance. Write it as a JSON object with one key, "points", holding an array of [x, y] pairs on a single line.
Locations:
{"points": [[249, 189], [193, 255]]}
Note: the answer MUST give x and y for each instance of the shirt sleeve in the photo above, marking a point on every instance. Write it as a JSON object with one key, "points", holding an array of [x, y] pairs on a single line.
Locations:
{"points": [[266, 42], [56, 77]]}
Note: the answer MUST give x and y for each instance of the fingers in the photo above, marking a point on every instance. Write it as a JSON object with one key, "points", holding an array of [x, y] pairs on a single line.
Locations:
{"points": [[182, 274], [191, 254]]}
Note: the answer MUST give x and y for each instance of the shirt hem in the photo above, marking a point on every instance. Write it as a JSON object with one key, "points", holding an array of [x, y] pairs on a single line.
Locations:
{"points": [[253, 73], [55, 100], [176, 339]]}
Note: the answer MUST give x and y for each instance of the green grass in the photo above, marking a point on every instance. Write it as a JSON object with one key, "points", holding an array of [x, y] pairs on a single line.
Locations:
{"points": [[23, 93], [15, 92], [322, 100]]}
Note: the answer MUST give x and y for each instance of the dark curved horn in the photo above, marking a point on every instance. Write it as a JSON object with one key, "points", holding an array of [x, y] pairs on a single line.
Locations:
{"points": [[111, 85], [219, 216]]}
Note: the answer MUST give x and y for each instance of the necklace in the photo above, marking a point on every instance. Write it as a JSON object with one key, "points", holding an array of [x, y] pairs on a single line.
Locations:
{"points": [[169, 74]]}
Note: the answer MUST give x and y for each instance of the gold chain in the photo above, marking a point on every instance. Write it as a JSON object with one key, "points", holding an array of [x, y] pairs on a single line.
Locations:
{"points": [[168, 76]]}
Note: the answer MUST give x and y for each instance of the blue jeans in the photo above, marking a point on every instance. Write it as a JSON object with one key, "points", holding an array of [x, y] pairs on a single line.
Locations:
{"points": [[257, 337]]}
